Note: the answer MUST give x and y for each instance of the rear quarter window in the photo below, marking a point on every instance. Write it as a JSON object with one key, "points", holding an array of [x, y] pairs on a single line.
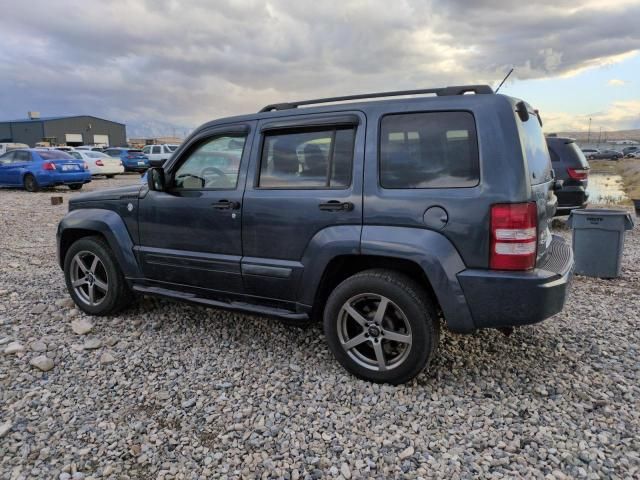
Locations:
{"points": [[429, 150], [534, 147]]}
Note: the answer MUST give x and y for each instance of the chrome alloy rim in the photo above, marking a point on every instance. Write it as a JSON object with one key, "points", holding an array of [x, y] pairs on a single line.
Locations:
{"points": [[374, 332], [89, 278]]}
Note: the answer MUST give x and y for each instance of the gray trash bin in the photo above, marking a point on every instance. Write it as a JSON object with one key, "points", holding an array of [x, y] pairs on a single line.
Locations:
{"points": [[598, 241]]}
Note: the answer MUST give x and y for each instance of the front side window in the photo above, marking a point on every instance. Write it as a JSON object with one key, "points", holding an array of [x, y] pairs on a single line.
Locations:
{"points": [[7, 157], [156, 150], [429, 150], [309, 159], [213, 164], [146, 150]]}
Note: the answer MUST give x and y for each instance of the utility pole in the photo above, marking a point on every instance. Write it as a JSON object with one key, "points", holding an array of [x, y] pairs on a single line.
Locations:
{"points": [[599, 136], [589, 132]]}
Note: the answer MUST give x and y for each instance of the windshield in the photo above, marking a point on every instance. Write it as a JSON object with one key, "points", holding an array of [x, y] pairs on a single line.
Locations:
{"points": [[54, 155]]}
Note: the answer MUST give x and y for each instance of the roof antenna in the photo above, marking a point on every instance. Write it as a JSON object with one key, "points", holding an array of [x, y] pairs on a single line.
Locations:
{"points": [[505, 79]]}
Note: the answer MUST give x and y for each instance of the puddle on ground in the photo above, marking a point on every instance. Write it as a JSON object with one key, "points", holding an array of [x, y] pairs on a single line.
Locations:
{"points": [[606, 188]]}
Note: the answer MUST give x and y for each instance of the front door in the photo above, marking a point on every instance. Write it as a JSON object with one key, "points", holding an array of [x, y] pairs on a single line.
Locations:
{"points": [[13, 173], [190, 234], [5, 165], [304, 188]]}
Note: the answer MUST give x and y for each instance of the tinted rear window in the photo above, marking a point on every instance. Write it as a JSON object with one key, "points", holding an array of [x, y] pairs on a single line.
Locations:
{"points": [[576, 155], [535, 149], [429, 150], [54, 155]]}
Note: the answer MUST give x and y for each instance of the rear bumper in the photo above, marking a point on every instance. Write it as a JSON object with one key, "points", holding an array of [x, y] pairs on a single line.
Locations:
{"points": [[570, 198], [510, 299], [63, 178]]}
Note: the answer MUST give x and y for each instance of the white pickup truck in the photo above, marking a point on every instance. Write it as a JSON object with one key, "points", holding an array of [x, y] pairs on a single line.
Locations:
{"points": [[158, 154]]}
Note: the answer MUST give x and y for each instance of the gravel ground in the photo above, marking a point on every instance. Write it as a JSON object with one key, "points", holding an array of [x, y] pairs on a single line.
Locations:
{"points": [[173, 391]]}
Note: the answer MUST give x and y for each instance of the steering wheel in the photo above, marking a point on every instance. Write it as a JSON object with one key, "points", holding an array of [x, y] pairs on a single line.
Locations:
{"points": [[218, 172]]}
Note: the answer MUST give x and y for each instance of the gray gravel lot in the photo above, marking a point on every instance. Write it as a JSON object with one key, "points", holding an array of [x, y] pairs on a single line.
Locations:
{"points": [[166, 390]]}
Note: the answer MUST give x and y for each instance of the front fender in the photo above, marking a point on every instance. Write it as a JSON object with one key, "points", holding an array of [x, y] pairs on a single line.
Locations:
{"points": [[437, 257], [106, 223]]}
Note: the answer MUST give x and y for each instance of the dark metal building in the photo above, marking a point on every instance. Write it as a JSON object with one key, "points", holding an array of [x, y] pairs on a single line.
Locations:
{"points": [[72, 131]]}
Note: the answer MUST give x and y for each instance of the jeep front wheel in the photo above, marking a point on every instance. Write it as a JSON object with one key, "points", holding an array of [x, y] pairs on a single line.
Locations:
{"points": [[94, 279], [381, 326]]}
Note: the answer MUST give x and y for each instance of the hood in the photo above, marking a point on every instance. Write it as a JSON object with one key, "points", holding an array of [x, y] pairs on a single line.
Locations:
{"points": [[130, 191]]}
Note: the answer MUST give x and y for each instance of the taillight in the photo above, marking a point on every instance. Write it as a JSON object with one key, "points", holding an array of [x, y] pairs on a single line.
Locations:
{"points": [[514, 236], [578, 173], [99, 163], [48, 166]]}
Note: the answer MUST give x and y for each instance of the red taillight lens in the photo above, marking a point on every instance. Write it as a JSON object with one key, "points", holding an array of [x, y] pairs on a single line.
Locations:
{"points": [[48, 166], [514, 236], [99, 163], [578, 173]]}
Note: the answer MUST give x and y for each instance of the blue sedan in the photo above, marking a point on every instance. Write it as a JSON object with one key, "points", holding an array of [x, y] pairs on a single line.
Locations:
{"points": [[132, 159], [33, 169]]}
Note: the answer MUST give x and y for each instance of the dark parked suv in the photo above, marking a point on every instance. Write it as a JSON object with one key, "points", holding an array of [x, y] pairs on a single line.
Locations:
{"points": [[570, 166], [378, 217]]}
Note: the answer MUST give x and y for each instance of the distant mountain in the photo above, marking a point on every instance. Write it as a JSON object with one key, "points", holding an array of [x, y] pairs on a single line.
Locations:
{"points": [[604, 136], [156, 128]]}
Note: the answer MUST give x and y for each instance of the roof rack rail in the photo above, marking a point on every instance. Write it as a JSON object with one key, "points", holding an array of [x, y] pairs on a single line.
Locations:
{"points": [[441, 92]]}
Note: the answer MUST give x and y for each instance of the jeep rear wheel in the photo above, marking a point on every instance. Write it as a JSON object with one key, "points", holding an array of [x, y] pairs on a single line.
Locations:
{"points": [[94, 279], [381, 326]]}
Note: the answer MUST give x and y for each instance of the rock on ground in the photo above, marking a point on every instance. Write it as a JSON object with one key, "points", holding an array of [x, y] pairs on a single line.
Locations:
{"points": [[554, 400], [42, 362]]}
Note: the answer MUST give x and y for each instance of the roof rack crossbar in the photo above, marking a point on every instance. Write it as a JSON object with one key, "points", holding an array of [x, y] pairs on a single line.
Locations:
{"points": [[441, 92]]}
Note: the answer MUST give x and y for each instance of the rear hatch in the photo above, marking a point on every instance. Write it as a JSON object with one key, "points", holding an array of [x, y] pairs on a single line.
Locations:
{"points": [[534, 147], [136, 156], [68, 165], [575, 162]]}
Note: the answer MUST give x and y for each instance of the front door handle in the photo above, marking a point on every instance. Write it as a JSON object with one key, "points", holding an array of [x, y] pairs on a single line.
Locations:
{"points": [[336, 206], [225, 205]]}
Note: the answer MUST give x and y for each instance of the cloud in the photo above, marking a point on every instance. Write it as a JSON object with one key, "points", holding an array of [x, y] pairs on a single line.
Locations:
{"points": [[620, 115], [184, 63], [614, 82]]}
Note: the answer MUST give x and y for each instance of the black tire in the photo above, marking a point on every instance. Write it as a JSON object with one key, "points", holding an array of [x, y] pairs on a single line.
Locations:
{"points": [[110, 176], [30, 183], [417, 314], [75, 186], [118, 294]]}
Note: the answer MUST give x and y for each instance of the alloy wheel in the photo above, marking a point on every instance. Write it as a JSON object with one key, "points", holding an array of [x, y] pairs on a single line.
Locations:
{"points": [[89, 278], [374, 332]]}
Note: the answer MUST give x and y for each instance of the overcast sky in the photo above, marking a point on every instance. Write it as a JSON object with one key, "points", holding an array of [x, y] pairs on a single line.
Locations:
{"points": [[161, 63]]}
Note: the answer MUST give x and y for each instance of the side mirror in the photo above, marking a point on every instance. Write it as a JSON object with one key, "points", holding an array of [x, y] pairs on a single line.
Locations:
{"points": [[155, 179]]}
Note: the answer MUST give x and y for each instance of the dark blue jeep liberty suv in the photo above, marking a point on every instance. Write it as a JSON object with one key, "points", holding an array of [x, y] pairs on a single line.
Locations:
{"points": [[380, 218]]}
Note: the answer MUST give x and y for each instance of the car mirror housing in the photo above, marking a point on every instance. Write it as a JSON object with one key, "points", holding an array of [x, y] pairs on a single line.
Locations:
{"points": [[156, 179]]}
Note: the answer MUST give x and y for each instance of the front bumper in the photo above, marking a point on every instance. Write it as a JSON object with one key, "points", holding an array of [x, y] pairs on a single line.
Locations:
{"points": [[510, 299]]}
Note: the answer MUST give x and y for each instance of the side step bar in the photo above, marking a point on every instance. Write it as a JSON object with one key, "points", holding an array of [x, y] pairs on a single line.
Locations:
{"points": [[234, 306]]}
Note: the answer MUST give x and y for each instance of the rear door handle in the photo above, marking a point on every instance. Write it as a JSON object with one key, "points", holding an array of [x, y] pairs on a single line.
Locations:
{"points": [[336, 206], [226, 205]]}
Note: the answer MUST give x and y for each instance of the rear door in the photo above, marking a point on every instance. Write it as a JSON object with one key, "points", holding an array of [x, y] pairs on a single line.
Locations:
{"points": [[305, 177]]}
